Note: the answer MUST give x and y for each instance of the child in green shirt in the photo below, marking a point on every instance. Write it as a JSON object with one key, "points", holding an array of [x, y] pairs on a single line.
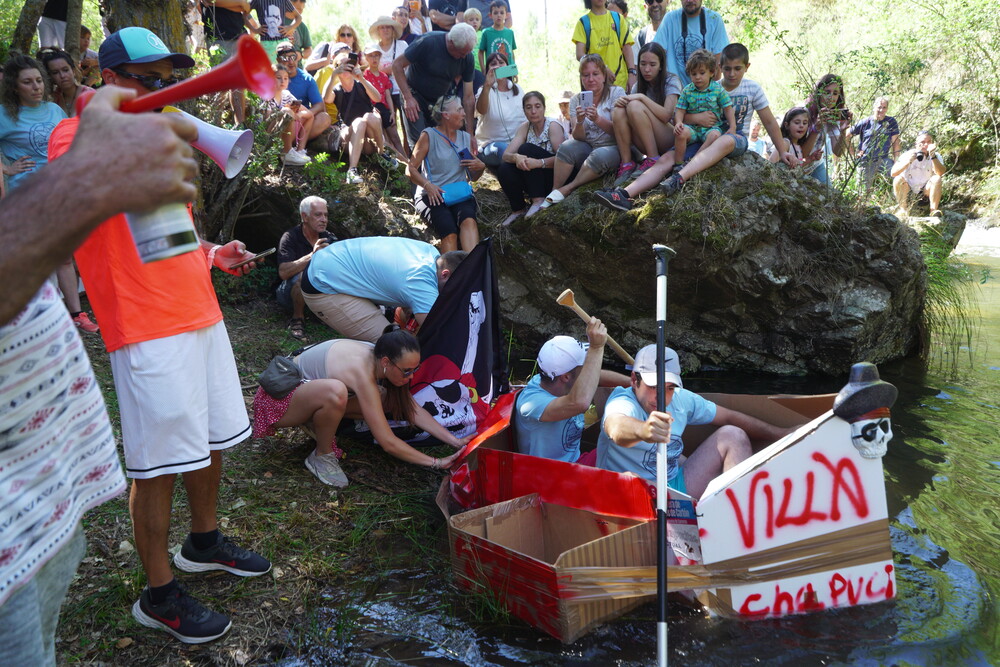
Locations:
{"points": [[497, 38]]}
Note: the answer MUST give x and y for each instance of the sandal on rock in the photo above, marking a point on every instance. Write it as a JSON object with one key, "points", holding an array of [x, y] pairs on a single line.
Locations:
{"points": [[553, 197], [296, 327]]}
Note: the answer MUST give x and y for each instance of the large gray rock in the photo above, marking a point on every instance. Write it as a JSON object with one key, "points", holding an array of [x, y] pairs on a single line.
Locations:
{"points": [[772, 273]]}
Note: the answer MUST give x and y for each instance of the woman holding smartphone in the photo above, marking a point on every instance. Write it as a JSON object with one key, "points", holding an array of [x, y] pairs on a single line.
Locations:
{"points": [[442, 167], [591, 151], [358, 380], [500, 113]]}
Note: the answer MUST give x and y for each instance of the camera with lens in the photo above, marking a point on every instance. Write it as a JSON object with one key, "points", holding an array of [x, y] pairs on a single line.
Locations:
{"points": [[921, 155]]}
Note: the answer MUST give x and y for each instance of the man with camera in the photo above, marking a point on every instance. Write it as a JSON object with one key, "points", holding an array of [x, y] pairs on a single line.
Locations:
{"points": [[304, 87], [921, 171]]}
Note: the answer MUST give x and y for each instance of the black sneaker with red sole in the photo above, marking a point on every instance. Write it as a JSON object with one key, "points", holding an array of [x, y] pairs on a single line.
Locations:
{"points": [[182, 616], [223, 555], [616, 198]]}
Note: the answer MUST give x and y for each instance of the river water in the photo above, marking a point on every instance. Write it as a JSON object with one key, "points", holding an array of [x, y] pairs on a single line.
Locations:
{"points": [[942, 480]]}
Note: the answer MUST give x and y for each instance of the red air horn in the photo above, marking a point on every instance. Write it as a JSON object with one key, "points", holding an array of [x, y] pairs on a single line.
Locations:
{"points": [[168, 231], [250, 68]]}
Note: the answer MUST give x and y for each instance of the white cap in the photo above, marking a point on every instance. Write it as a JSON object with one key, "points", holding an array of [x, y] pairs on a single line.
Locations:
{"points": [[645, 366], [560, 355]]}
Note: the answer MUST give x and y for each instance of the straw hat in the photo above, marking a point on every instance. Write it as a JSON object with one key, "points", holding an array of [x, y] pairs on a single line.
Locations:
{"points": [[381, 21], [567, 95]]}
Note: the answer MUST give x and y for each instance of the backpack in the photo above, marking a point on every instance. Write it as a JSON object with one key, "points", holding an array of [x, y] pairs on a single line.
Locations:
{"points": [[585, 20], [617, 18]]}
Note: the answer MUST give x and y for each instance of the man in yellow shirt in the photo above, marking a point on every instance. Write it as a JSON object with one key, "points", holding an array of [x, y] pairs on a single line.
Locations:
{"points": [[606, 33]]}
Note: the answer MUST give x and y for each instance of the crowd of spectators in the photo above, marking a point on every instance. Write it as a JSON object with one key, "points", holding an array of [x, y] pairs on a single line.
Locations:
{"points": [[435, 91]]}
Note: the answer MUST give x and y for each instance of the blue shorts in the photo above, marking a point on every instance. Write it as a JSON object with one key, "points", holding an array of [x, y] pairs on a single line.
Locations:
{"points": [[739, 149], [284, 291]]}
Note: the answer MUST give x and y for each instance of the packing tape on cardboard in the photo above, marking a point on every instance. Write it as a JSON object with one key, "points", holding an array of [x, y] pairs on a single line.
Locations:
{"points": [[857, 545]]}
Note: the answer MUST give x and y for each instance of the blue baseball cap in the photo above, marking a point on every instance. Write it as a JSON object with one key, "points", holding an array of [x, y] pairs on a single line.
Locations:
{"points": [[137, 45]]}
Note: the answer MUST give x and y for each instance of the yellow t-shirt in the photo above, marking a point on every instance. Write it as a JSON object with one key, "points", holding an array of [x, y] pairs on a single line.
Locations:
{"points": [[605, 43], [322, 78]]}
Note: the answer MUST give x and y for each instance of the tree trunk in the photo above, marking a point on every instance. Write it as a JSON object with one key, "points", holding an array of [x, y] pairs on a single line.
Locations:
{"points": [[164, 17], [27, 24], [74, 17]]}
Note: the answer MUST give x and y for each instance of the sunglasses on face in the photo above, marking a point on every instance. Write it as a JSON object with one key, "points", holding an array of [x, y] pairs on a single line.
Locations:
{"points": [[407, 372], [287, 55], [651, 2], [346, 34], [147, 81]]}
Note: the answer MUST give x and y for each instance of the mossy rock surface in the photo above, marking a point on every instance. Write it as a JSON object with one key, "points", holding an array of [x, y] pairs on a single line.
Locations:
{"points": [[773, 273]]}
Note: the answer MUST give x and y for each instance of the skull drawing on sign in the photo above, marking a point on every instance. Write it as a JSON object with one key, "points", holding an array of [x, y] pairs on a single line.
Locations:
{"points": [[871, 433]]}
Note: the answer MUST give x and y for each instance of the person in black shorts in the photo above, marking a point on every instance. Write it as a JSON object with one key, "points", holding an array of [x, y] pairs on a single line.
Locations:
{"points": [[442, 167]]}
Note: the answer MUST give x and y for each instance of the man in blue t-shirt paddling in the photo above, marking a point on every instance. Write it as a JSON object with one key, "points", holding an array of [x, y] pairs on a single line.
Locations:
{"points": [[632, 426]]}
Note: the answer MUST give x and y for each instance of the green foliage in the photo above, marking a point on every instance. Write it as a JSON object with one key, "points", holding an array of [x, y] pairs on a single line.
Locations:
{"points": [[10, 11], [951, 311], [326, 173], [234, 290], [937, 64]]}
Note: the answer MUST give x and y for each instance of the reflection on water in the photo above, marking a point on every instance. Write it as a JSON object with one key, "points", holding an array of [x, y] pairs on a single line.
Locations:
{"points": [[942, 474]]}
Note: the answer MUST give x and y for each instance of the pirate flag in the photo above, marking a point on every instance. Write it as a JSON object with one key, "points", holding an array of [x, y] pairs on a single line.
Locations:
{"points": [[463, 369]]}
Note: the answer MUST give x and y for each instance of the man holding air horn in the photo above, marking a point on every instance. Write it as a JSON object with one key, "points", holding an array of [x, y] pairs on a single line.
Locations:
{"points": [[175, 376]]}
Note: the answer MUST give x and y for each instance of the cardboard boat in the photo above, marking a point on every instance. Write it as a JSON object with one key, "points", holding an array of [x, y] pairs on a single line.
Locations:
{"points": [[800, 526]]}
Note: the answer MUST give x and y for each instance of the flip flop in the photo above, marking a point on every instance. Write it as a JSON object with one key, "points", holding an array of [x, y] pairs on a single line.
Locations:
{"points": [[296, 327]]}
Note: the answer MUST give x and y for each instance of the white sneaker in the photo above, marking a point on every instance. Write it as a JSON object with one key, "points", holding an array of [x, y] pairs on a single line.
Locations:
{"points": [[293, 158], [353, 177], [327, 469], [303, 154]]}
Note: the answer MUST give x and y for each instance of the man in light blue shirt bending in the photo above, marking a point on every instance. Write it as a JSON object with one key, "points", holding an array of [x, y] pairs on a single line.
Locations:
{"points": [[347, 281]]}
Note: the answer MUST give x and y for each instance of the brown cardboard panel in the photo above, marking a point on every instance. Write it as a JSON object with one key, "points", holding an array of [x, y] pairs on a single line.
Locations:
{"points": [[809, 407], [777, 410], [522, 532], [517, 550], [779, 413]]}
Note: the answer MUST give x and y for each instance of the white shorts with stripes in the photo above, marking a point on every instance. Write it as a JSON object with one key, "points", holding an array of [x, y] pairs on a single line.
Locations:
{"points": [[180, 399]]}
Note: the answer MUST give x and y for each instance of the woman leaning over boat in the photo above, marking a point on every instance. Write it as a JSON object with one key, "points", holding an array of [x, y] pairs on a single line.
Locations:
{"points": [[358, 380]]}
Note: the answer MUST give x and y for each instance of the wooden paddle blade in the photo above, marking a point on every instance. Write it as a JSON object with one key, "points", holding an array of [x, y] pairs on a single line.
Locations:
{"points": [[566, 298]]}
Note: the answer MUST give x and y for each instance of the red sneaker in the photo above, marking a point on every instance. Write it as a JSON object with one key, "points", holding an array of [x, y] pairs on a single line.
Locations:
{"points": [[84, 323]]}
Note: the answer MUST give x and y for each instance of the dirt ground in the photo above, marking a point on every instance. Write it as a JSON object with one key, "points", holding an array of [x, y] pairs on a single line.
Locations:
{"points": [[317, 539]]}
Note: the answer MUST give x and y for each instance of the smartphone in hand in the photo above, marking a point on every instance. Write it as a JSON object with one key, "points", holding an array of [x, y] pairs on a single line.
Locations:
{"points": [[586, 98], [269, 251], [465, 154]]}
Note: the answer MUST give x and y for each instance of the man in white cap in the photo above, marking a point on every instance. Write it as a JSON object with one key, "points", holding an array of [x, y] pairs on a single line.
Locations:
{"points": [[632, 426], [550, 408]]}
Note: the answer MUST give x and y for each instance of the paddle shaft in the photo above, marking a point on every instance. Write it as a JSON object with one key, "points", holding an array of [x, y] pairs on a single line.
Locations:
{"points": [[663, 254], [619, 350]]}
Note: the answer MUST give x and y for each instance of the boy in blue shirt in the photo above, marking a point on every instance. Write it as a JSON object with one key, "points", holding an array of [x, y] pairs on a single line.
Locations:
{"points": [[498, 37]]}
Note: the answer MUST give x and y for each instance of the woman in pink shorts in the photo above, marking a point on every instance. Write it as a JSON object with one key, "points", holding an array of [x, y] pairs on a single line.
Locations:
{"points": [[359, 380]]}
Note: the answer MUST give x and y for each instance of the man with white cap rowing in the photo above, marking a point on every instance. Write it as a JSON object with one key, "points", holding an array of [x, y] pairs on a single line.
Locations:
{"points": [[550, 408], [632, 426]]}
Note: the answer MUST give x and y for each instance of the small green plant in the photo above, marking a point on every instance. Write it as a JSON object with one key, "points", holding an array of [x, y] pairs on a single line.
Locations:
{"points": [[326, 173]]}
